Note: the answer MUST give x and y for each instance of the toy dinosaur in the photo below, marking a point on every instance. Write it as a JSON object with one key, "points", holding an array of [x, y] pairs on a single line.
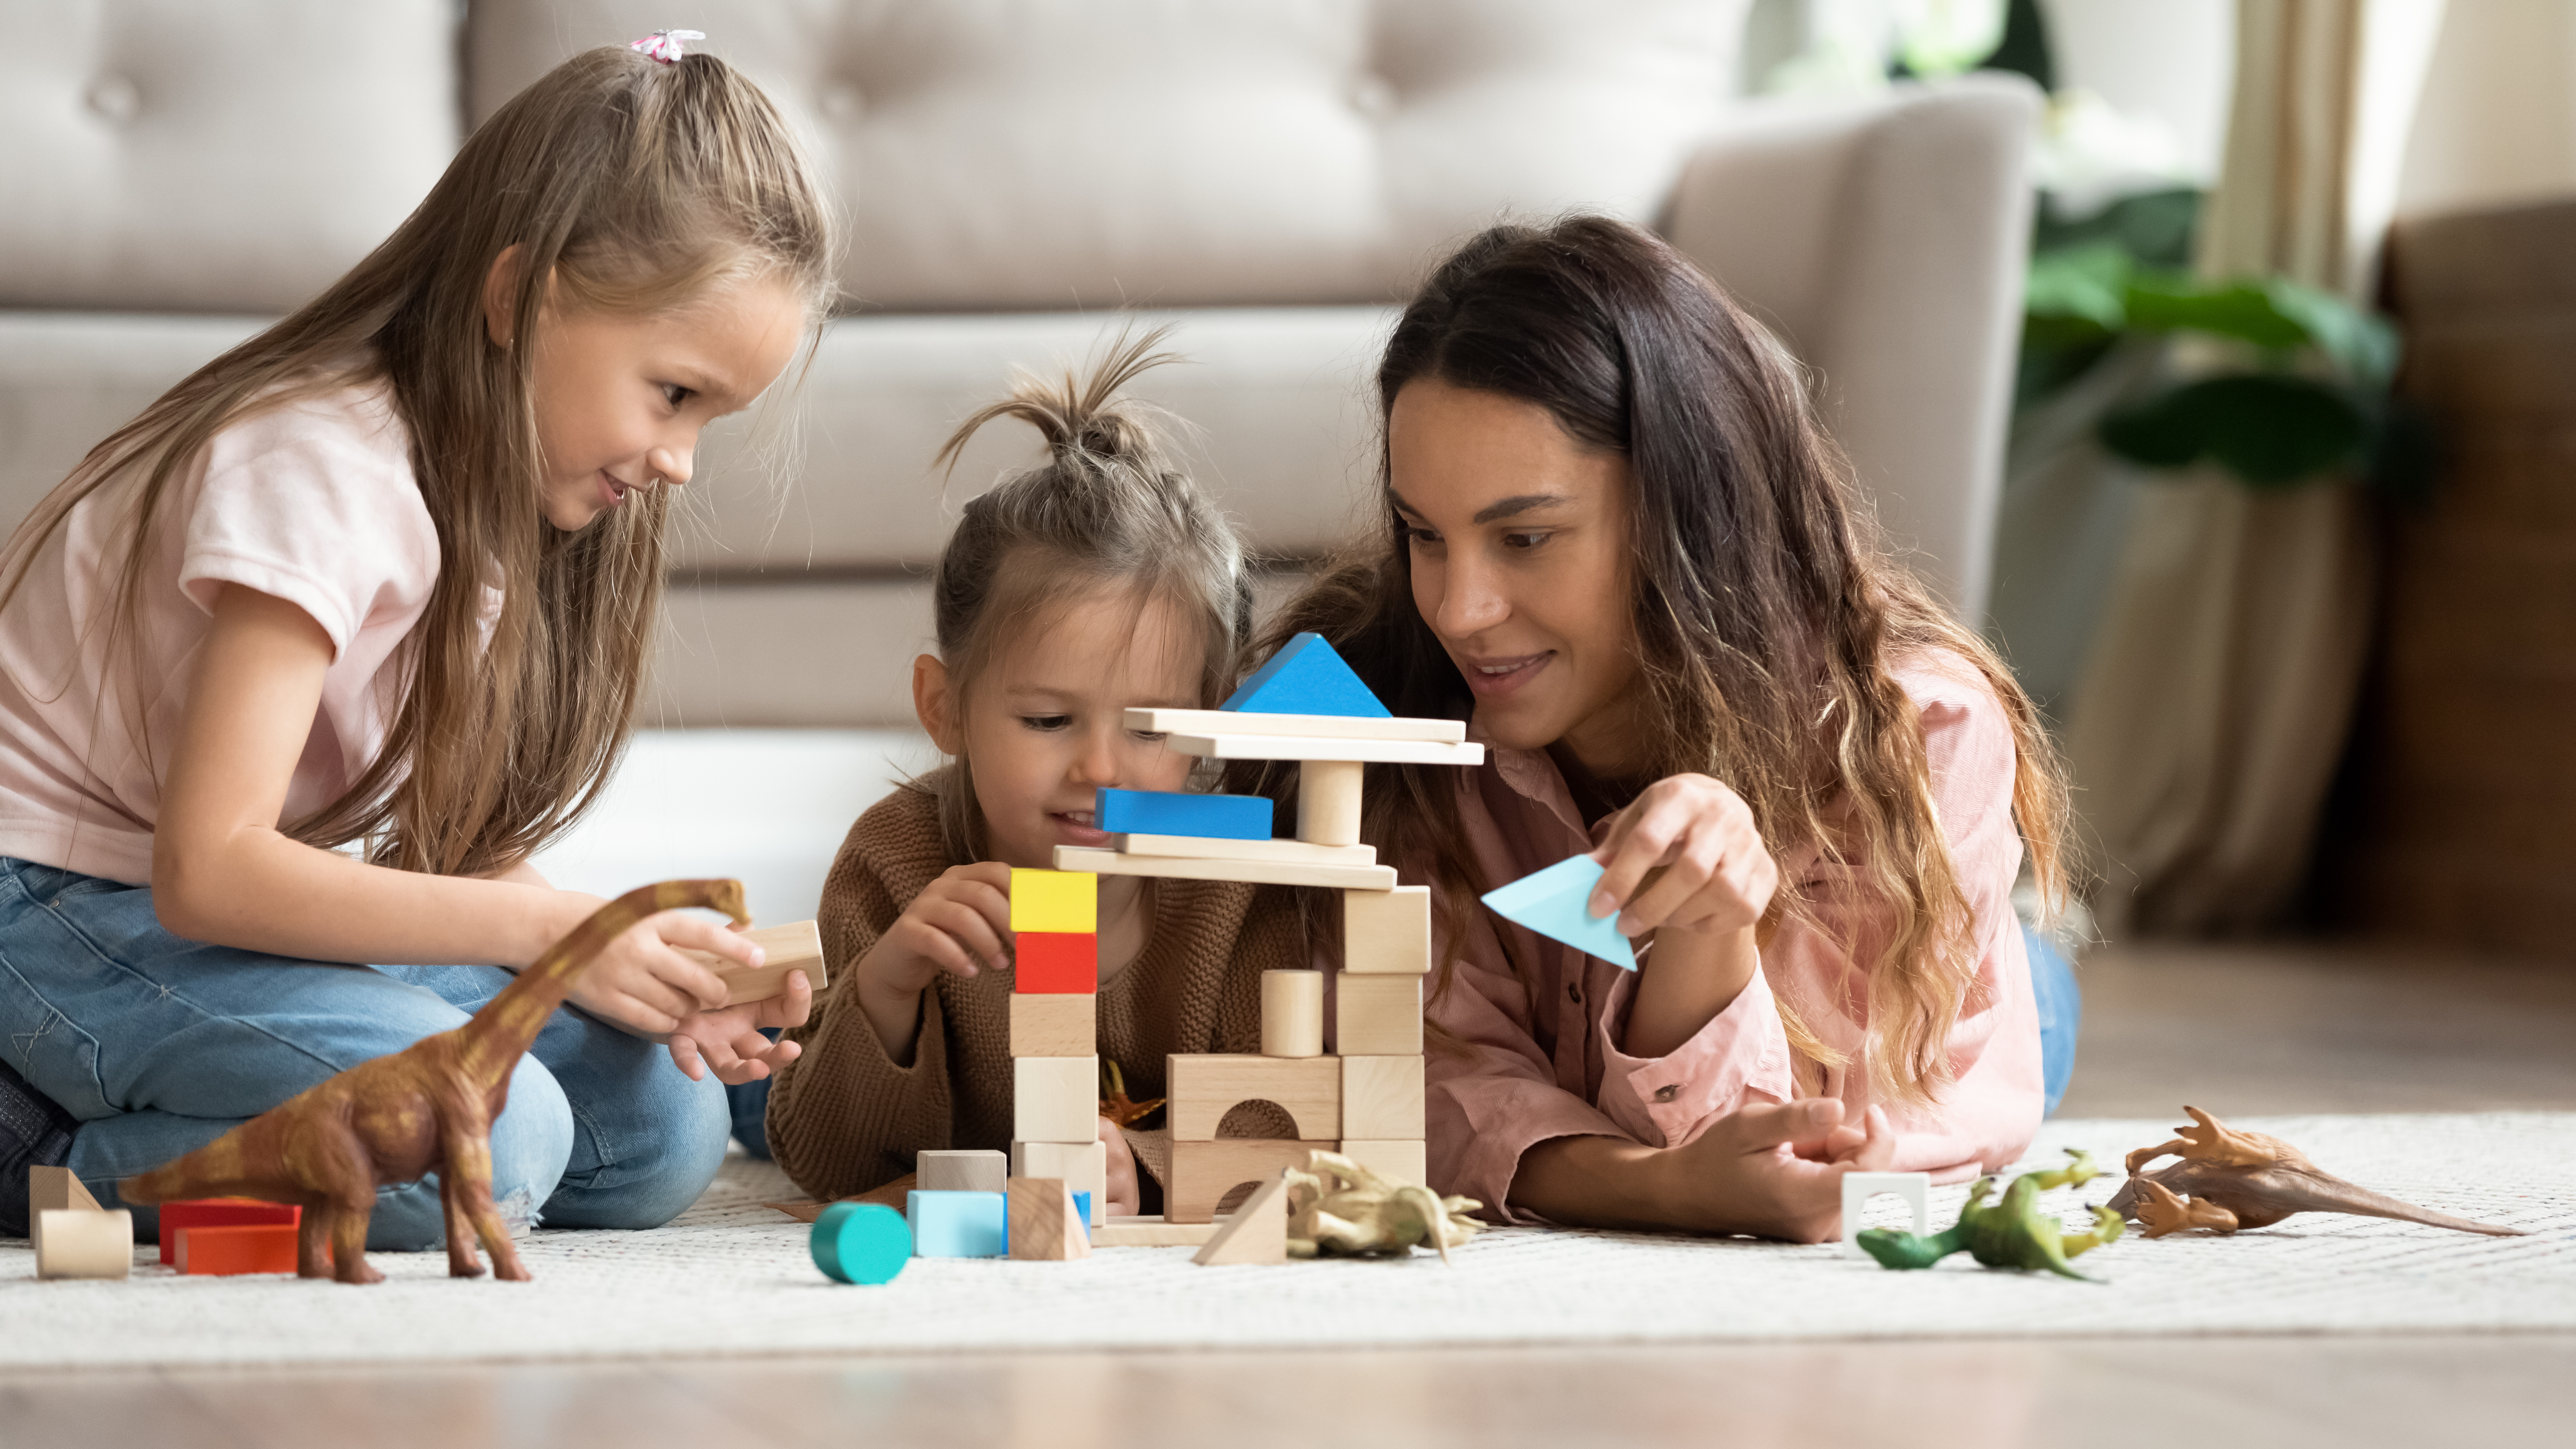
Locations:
{"points": [[2011, 1234], [2229, 1179], [1338, 1208], [1114, 1101], [427, 1108]]}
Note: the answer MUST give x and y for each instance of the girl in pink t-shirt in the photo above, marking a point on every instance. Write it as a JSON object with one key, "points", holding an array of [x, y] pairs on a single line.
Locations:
{"points": [[1617, 542], [300, 667]]}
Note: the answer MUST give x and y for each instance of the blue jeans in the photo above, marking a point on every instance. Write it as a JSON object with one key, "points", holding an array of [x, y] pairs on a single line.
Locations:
{"points": [[2061, 1014], [161, 1044]]}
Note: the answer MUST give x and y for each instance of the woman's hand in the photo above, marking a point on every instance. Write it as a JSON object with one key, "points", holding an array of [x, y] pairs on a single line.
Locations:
{"points": [[1717, 875], [1126, 1197], [728, 1041], [1775, 1171], [960, 917], [641, 982]]}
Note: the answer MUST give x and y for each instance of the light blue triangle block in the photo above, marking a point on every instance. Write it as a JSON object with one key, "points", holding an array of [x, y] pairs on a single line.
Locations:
{"points": [[1306, 677], [1553, 902]]}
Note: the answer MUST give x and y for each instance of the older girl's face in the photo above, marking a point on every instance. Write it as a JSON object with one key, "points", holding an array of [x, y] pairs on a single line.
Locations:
{"points": [[1519, 544]]}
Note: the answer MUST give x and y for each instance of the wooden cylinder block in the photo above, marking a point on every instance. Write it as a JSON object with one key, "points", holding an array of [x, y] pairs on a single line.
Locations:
{"points": [[1292, 1013], [85, 1243], [1328, 802]]}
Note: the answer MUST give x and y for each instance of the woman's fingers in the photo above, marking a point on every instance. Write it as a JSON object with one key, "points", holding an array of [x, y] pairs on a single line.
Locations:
{"points": [[1642, 839], [1675, 896], [717, 939]]}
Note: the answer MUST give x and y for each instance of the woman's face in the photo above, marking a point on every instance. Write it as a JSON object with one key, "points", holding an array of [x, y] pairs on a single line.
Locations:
{"points": [[1519, 543]]}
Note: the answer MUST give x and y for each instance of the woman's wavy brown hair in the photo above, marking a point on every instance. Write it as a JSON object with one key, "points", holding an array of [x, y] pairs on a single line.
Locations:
{"points": [[634, 186], [1767, 611]]}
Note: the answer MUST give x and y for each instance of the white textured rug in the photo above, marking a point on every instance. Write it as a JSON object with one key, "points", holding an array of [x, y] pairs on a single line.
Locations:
{"points": [[732, 1277]]}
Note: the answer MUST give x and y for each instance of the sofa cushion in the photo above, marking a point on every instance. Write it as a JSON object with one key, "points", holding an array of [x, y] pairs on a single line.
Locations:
{"points": [[166, 156], [1045, 153]]}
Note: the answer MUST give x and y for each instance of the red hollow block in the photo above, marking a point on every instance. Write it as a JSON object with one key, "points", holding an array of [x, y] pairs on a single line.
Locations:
{"points": [[220, 1212], [1057, 963], [249, 1248]]}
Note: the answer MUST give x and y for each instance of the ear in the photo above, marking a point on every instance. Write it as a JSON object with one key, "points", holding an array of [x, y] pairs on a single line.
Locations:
{"points": [[935, 705], [501, 294]]}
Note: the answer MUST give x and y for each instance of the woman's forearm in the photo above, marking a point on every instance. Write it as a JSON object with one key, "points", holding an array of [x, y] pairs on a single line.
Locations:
{"points": [[1593, 1182], [1684, 983]]}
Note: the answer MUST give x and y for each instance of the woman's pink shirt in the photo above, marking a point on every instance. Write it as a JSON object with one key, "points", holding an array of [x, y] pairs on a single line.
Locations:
{"points": [[1529, 1061]]}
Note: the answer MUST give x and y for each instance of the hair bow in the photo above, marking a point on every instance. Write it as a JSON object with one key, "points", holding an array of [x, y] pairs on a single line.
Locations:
{"points": [[664, 45]]}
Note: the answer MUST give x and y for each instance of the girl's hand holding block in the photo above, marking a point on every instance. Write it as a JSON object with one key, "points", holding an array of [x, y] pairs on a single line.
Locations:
{"points": [[959, 919]]}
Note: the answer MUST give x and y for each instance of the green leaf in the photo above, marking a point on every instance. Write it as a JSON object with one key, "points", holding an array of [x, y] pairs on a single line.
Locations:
{"points": [[2362, 344], [2090, 282], [2269, 430], [2168, 302]]}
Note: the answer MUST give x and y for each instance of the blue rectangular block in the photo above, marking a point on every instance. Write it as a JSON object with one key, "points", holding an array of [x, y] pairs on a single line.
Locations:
{"points": [[1158, 812], [958, 1224]]}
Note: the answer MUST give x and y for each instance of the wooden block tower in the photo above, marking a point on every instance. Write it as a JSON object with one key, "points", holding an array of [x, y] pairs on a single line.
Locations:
{"points": [[1055, 1057], [1366, 1100]]}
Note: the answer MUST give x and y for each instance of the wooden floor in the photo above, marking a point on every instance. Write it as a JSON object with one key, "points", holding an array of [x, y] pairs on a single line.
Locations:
{"points": [[2238, 1030]]}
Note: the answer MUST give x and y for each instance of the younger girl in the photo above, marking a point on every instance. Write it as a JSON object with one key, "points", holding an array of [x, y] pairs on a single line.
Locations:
{"points": [[299, 668], [1099, 580]]}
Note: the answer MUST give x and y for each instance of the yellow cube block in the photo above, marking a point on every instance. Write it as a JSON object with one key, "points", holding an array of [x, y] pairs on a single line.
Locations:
{"points": [[1066, 901]]}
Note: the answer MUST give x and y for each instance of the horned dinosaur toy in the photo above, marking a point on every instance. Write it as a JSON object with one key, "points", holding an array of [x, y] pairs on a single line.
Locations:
{"points": [[2229, 1179], [1339, 1208], [2011, 1234], [426, 1108]]}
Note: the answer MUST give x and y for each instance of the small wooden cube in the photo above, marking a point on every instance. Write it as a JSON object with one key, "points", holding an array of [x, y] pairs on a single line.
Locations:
{"points": [[1055, 1099], [1382, 1097], [957, 1224], [1044, 1224], [1398, 1161], [961, 1170], [1052, 963], [1387, 933], [1054, 1024], [1377, 1016], [1055, 901], [1204, 1087], [226, 1252], [1084, 1166]]}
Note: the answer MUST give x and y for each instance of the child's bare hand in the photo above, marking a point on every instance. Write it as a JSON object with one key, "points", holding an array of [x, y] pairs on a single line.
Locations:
{"points": [[641, 983], [1126, 1198], [957, 919], [728, 1041]]}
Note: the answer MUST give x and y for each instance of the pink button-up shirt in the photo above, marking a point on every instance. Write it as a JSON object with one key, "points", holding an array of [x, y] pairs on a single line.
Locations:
{"points": [[1527, 1060]]}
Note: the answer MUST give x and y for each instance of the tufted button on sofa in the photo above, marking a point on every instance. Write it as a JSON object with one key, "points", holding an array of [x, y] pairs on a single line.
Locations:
{"points": [[1017, 176]]}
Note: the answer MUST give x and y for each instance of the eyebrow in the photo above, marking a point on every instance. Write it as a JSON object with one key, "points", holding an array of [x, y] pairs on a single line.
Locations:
{"points": [[705, 383]]}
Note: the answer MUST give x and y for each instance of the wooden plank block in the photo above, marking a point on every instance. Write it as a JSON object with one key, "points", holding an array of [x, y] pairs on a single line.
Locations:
{"points": [[1055, 1099], [796, 947], [229, 1252], [1328, 802], [1377, 1016], [957, 1224], [1382, 1097], [1054, 1024], [1169, 812], [961, 1170], [1398, 1161], [1204, 1172], [1151, 1232], [52, 1189], [1203, 1087], [84, 1243], [1084, 1167], [1055, 963], [1290, 747], [1052, 900], [1387, 933], [1044, 1227], [1255, 1233], [1285, 852], [218, 1212], [1257, 872], [1214, 722], [1292, 1013]]}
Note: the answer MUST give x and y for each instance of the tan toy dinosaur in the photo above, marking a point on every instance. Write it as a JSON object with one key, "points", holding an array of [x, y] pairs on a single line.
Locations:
{"points": [[2229, 1179], [427, 1108]]}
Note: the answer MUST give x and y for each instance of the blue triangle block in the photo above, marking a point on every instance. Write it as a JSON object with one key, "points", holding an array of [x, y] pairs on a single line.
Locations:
{"points": [[1306, 677], [1555, 902]]}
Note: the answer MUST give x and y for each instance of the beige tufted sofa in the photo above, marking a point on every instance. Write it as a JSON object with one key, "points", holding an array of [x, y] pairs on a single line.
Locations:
{"points": [[1269, 174]]}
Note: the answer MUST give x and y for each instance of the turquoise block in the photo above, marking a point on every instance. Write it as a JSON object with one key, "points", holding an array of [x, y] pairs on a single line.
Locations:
{"points": [[1555, 903], [1165, 812], [1306, 677], [860, 1242], [958, 1224]]}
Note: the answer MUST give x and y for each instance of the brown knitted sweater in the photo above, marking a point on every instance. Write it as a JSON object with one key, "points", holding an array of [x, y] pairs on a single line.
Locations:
{"points": [[843, 1118]]}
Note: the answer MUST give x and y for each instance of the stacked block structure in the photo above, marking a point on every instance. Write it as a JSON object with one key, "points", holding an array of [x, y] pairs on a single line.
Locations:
{"points": [[1365, 1099], [1055, 1054]]}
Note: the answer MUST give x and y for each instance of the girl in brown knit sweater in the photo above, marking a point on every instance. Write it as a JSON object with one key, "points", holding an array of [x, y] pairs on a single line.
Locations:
{"points": [[1097, 581]]}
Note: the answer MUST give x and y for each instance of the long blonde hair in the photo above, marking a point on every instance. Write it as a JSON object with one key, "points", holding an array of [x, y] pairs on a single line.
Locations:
{"points": [[632, 186]]}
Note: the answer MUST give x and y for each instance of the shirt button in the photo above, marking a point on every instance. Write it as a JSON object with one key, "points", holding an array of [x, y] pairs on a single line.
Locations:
{"points": [[1574, 994], [1667, 1093]]}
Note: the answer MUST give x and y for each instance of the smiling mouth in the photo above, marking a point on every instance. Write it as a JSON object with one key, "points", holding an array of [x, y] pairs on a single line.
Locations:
{"points": [[1490, 678], [612, 492], [1074, 827]]}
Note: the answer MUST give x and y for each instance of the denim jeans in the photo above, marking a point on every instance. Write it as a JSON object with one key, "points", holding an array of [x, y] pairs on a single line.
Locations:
{"points": [[2061, 1014], [160, 1044]]}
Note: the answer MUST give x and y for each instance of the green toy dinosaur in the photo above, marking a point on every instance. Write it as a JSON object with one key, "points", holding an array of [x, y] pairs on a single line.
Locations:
{"points": [[2010, 1234]]}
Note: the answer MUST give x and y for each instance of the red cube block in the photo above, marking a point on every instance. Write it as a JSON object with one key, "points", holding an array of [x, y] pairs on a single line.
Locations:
{"points": [[249, 1248], [220, 1212], [1058, 963]]}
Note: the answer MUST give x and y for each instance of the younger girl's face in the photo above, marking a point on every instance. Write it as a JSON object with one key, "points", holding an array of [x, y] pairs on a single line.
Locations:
{"points": [[1045, 723]]}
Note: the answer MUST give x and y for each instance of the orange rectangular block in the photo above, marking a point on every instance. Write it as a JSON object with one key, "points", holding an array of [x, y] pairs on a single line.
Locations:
{"points": [[219, 1212], [1064, 963], [248, 1248]]}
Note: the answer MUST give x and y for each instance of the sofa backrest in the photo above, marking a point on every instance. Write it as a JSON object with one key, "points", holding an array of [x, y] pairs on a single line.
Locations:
{"points": [[1038, 154]]}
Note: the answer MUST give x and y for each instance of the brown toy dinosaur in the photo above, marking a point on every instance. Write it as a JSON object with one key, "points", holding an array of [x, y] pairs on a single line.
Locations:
{"points": [[427, 1108], [2228, 1180]]}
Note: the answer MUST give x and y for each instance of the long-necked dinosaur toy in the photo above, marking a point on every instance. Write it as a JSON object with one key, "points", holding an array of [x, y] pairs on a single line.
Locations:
{"points": [[427, 1108]]}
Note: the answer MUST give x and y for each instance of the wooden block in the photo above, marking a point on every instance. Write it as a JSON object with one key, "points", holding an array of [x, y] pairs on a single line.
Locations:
{"points": [[52, 1189], [218, 1212], [1381, 1098], [1150, 1232], [1292, 1013], [1289, 747], [796, 948], [1377, 1016], [1174, 812], [1204, 1172], [1056, 963], [1328, 802], [1052, 900], [1281, 852], [1387, 933], [961, 1170], [226, 1252], [1256, 872], [84, 1243], [1054, 1024], [1204, 1087], [1044, 1225], [957, 1224], [1255, 1233], [1055, 1099], [1084, 1167], [1398, 1161], [1214, 722]]}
